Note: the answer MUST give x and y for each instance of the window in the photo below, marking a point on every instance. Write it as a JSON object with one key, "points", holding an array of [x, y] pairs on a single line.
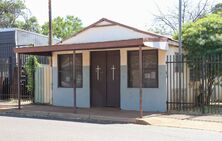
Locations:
{"points": [[65, 70], [150, 69]]}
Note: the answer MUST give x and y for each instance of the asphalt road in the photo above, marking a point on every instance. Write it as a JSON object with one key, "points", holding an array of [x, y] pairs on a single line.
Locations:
{"points": [[24, 129]]}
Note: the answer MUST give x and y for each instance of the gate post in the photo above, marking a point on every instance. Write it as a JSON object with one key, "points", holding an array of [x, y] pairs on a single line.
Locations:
{"points": [[19, 73], [33, 80], [74, 80], [203, 85], [141, 81], [167, 85]]}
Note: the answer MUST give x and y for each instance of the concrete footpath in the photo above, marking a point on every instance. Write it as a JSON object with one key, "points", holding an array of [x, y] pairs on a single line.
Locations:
{"points": [[208, 122], [64, 113], [109, 115]]}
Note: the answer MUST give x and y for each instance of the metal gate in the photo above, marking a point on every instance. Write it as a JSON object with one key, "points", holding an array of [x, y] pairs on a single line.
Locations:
{"points": [[194, 85], [9, 82], [9, 79]]}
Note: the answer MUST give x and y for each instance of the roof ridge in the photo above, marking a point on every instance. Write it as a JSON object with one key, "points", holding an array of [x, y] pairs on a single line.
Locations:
{"points": [[120, 24]]}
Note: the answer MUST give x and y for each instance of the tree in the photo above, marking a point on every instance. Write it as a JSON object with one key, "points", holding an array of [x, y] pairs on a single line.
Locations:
{"points": [[14, 14], [217, 8], [30, 24], [159, 29], [191, 12], [10, 11], [204, 36], [202, 40], [63, 27]]}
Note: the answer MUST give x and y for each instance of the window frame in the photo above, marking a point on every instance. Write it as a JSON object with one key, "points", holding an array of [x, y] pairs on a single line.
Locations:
{"points": [[157, 68], [58, 71]]}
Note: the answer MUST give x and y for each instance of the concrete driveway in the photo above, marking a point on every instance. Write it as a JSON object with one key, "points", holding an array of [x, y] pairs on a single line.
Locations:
{"points": [[24, 129]]}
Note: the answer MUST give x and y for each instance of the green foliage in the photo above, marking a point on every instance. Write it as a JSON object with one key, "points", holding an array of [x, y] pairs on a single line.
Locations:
{"points": [[217, 8], [63, 27], [14, 14], [203, 37], [30, 66], [30, 24], [10, 11], [202, 40], [159, 29]]}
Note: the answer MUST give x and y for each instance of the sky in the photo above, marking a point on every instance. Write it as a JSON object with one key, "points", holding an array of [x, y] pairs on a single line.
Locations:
{"points": [[136, 13]]}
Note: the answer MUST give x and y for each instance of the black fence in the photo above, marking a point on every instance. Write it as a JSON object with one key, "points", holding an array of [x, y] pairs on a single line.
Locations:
{"points": [[9, 79], [194, 85]]}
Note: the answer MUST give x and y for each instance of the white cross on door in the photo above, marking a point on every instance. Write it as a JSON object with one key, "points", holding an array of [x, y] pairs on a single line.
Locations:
{"points": [[98, 72]]}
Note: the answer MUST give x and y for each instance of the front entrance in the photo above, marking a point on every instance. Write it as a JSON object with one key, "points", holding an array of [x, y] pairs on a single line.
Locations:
{"points": [[105, 79]]}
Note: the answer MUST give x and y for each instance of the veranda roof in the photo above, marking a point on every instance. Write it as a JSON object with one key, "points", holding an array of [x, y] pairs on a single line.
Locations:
{"points": [[159, 43]]}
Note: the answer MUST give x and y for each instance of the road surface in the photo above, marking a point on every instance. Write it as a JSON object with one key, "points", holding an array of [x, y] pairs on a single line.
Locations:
{"points": [[25, 129]]}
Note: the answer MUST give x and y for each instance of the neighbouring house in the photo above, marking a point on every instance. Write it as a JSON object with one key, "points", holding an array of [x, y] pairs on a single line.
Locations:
{"points": [[11, 38], [107, 67], [14, 37]]}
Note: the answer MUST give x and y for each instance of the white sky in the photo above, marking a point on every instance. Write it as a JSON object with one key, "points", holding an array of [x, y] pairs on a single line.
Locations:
{"points": [[137, 13]]}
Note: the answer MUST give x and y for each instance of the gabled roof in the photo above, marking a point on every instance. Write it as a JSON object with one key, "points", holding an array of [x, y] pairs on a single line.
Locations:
{"points": [[137, 38], [109, 23]]}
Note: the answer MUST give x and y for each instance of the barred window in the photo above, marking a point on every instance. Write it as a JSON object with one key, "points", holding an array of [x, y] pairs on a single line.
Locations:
{"points": [[150, 69], [65, 70]]}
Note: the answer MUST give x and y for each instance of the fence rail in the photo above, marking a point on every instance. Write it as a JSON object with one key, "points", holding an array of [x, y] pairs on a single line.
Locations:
{"points": [[194, 85]]}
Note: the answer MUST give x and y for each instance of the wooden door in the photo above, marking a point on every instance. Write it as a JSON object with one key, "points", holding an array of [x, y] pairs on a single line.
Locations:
{"points": [[98, 79], [113, 79], [105, 79]]}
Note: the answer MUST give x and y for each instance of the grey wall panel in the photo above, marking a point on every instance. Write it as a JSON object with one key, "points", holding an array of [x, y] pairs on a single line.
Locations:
{"points": [[64, 96], [7, 37], [6, 50], [7, 43], [25, 37], [154, 99]]}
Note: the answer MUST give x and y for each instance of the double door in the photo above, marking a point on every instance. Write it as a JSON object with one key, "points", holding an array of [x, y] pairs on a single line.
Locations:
{"points": [[105, 79]]}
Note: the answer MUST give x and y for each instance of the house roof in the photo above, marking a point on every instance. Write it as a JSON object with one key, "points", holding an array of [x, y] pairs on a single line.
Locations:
{"points": [[46, 50], [7, 29], [100, 29], [142, 38], [110, 23], [30, 32]]}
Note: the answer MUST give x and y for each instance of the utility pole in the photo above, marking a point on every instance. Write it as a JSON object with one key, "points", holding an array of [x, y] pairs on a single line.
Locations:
{"points": [[180, 27], [50, 22], [180, 50]]}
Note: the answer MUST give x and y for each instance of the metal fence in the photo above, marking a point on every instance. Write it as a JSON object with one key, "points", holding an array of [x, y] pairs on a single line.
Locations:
{"points": [[194, 85], [9, 80]]}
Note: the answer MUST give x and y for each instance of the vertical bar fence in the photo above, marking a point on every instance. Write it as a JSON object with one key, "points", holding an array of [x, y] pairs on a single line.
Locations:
{"points": [[10, 84], [198, 90]]}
